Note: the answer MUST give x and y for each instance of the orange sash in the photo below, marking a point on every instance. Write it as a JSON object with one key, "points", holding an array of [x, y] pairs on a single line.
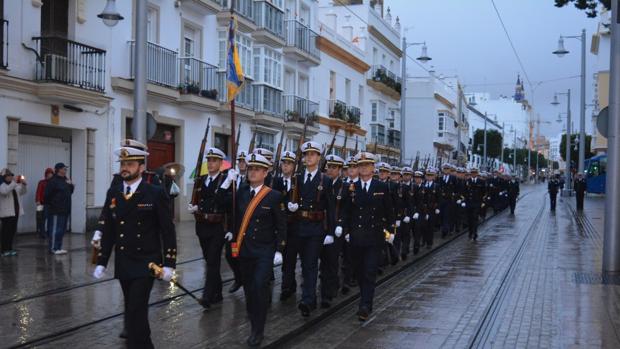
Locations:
{"points": [[245, 222]]}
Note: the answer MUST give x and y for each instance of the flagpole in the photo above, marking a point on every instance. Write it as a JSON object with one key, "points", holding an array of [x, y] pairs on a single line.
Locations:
{"points": [[232, 133]]}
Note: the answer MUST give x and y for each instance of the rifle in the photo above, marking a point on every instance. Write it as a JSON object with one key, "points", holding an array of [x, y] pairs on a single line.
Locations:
{"points": [[197, 178], [326, 152], [299, 164], [416, 164], [252, 142], [276, 164]]}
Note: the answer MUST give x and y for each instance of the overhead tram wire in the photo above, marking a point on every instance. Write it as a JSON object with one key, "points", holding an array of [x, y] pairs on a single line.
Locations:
{"points": [[514, 50]]}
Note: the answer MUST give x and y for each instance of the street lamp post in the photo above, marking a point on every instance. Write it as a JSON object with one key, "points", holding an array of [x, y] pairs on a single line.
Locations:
{"points": [[485, 141], [110, 17], [403, 98], [567, 175], [611, 242], [560, 52]]}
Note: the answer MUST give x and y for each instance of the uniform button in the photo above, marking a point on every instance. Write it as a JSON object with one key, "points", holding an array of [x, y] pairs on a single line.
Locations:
{"points": [[122, 222], [139, 236], [255, 229], [360, 217], [139, 223], [139, 249], [122, 248], [359, 226], [122, 235], [257, 220]]}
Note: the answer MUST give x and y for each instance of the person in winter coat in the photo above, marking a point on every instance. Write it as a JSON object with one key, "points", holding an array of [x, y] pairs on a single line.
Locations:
{"points": [[58, 204], [11, 190], [40, 202]]}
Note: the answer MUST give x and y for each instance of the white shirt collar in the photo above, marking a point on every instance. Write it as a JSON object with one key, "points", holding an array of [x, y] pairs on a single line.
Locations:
{"points": [[133, 186], [354, 180], [312, 174], [362, 182], [257, 189]]}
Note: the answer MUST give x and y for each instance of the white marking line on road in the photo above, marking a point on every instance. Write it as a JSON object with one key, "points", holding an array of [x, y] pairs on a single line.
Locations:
{"points": [[367, 322]]}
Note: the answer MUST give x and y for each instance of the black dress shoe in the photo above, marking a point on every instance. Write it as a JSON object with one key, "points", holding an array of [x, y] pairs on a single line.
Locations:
{"points": [[204, 302], [304, 308], [344, 290], [403, 257], [286, 295], [326, 304], [255, 340], [363, 313], [234, 288], [416, 251], [123, 334], [217, 299]]}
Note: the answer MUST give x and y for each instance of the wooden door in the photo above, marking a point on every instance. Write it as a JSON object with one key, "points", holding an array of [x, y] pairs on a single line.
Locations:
{"points": [[160, 153]]}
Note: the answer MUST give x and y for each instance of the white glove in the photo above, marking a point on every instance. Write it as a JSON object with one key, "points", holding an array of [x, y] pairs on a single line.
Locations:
{"points": [[398, 224], [406, 219], [96, 241], [458, 202], [228, 236], [338, 231], [277, 258], [347, 237], [390, 240], [328, 240], [437, 211], [463, 205], [416, 216], [427, 217], [99, 271], [293, 207], [230, 178], [167, 274], [192, 208]]}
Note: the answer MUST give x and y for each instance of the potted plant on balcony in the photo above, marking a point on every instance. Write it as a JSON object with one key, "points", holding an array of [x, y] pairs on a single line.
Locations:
{"points": [[398, 87], [211, 94], [193, 88], [292, 115], [380, 75], [352, 117], [340, 111]]}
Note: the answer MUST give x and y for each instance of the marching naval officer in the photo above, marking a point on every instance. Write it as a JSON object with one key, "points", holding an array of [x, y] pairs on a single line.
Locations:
{"points": [[138, 226]]}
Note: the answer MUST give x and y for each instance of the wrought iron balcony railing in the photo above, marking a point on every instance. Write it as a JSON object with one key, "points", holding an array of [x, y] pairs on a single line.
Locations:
{"points": [[71, 63], [300, 36], [161, 65]]}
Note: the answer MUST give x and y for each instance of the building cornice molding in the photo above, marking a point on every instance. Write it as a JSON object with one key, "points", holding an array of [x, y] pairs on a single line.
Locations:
{"points": [[341, 54], [385, 41]]}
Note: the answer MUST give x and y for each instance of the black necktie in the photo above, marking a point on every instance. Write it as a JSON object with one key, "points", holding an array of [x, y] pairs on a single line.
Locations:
{"points": [[208, 181], [286, 184], [309, 178], [252, 193], [365, 188], [128, 191]]}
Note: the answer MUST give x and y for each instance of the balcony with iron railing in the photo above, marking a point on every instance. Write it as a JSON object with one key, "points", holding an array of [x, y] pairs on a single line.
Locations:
{"points": [[161, 65], [245, 97], [4, 43], [269, 22], [301, 40], [245, 11], [393, 138], [341, 111], [70, 63], [197, 77], [385, 80], [354, 115], [298, 109]]}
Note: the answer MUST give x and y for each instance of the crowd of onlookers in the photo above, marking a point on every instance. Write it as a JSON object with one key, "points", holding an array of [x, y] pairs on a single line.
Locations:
{"points": [[53, 206]]}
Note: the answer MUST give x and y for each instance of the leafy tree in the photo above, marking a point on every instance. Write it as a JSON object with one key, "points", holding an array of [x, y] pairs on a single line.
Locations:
{"points": [[494, 143], [574, 153], [588, 5]]}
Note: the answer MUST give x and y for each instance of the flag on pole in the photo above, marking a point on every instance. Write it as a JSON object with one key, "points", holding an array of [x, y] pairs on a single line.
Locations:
{"points": [[235, 70]]}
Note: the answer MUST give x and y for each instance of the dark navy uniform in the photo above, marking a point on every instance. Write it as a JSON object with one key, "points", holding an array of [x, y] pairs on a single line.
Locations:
{"points": [[447, 202], [210, 231], [140, 230], [370, 213], [265, 234], [513, 194], [403, 236], [474, 195], [312, 222], [580, 187], [553, 187], [330, 254], [289, 263], [419, 209], [431, 197]]}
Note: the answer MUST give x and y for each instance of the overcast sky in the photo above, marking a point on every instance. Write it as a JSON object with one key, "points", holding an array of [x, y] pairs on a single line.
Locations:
{"points": [[465, 37]]}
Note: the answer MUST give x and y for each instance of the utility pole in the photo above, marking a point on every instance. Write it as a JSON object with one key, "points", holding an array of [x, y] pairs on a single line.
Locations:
{"points": [[514, 153], [485, 141], [582, 105], [567, 183], [403, 101], [139, 64], [611, 242], [529, 149], [502, 149], [459, 111], [537, 150]]}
